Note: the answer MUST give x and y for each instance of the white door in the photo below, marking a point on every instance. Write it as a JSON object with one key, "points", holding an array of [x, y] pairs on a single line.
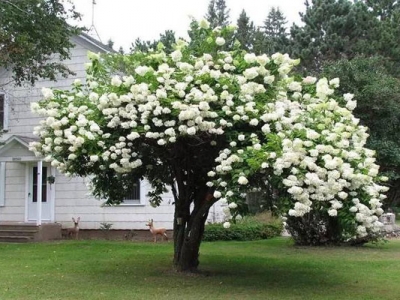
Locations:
{"points": [[47, 195]]}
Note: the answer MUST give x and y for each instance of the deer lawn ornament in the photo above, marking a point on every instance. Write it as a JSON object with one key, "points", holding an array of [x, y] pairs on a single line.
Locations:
{"points": [[157, 231]]}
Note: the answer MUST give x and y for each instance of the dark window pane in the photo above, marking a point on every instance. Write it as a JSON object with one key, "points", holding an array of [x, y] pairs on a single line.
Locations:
{"points": [[134, 192], [44, 184], [2, 99]]}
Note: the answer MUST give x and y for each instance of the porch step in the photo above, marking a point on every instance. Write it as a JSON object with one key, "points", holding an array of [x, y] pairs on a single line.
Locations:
{"points": [[17, 232], [18, 226], [15, 239], [22, 233]]}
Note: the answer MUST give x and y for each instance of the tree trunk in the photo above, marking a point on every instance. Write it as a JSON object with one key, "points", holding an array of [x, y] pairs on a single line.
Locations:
{"points": [[188, 233]]}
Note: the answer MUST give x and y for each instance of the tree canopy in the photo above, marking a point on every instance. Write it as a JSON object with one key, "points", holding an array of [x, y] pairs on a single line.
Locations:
{"points": [[31, 32]]}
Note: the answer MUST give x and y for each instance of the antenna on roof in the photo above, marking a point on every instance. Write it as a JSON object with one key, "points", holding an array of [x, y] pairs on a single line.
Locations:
{"points": [[92, 29]]}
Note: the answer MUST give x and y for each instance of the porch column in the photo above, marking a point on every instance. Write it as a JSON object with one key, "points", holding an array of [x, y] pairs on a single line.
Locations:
{"points": [[39, 192]]}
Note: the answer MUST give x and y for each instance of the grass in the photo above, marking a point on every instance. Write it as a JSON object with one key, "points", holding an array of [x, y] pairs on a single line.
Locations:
{"points": [[266, 269]]}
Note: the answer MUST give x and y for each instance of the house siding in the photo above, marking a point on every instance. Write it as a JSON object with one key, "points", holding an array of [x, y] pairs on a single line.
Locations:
{"points": [[14, 208]]}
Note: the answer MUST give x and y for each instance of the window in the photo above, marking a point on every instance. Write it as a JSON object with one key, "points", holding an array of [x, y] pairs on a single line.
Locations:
{"points": [[44, 184], [133, 195], [3, 112], [2, 182]]}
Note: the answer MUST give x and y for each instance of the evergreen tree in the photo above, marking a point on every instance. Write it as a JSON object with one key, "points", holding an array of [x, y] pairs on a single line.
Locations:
{"points": [[276, 36], [333, 30], [260, 41], [110, 43], [211, 15], [217, 13], [245, 31], [168, 40], [140, 45]]}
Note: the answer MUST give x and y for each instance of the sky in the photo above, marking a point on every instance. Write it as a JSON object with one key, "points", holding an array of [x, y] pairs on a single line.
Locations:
{"points": [[125, 20]]}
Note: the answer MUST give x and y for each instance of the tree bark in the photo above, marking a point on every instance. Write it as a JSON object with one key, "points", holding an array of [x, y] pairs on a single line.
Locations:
{"points": [[188, 233]]}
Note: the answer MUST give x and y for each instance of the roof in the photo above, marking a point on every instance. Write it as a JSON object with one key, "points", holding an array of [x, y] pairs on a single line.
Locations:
{"points": [[16, 148], [24, 140], [95, 42]]}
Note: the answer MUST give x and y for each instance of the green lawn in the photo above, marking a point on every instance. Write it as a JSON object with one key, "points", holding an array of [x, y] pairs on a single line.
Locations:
{"points": [[268, 269]]}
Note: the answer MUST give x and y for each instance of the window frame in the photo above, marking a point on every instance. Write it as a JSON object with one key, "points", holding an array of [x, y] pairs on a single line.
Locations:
{"points": [[5, 111], [135, 202]]}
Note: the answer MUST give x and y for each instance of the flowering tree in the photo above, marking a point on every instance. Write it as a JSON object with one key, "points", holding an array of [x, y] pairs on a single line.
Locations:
{"points": [[212, 125]]}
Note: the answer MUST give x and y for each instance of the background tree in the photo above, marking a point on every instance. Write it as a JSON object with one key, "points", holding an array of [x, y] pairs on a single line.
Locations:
{"points": [[217, 13], [260, 42], [110, 44], [31, 32], [333, 30], [167, 39], [245, 31], [378, 108], [275, 30]]}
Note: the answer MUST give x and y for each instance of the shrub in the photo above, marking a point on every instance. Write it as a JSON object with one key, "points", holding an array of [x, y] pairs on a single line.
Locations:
{"points": [[261, 226]]}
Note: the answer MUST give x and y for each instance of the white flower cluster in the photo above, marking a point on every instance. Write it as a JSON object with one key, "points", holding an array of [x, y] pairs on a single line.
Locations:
{"points": [[301, 133]]}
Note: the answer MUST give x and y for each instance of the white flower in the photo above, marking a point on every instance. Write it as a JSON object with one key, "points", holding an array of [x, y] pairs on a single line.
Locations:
{"points": [[176, 55], [191, 131], [348, 97], [116, 81], [353, 209], [384, 178], [269, 79], [217, 194], [220, 41], [266, 128], [295, 86], [332, 212], [257, 147], [226, 225], [204, 24], [262, 59], [309, 80], [334, 82], [351, 105], [232, 205], [142, 70], [72, 156], [93, 56], [250, 58], [47, 93], [77, 82], [161, 142], [211, 174], [253, 122], [94, 158], [250, 73], [243, 180], [93, 96]]}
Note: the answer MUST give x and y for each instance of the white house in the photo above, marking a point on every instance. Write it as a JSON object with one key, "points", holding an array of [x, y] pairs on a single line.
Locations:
{"points": [[61, 198]]}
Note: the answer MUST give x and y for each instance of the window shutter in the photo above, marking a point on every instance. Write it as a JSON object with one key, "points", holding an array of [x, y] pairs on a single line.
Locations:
{"points": [[2, 183]]}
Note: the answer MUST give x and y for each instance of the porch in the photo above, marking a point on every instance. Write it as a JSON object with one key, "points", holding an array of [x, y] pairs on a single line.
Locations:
{"points": [[14, 232], [27, 189]]}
